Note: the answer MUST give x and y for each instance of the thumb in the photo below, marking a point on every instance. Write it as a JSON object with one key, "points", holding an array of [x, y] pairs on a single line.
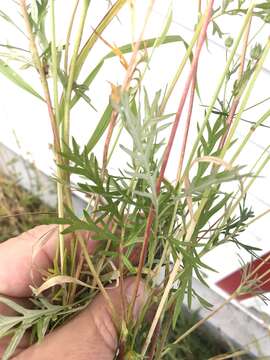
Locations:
{"points": [[90, 335]]}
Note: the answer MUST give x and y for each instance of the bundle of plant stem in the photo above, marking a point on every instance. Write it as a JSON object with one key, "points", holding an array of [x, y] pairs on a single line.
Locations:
{"points": [[146, 225]]}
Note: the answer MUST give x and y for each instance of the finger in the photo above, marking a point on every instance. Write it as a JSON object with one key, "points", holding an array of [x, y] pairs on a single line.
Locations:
{"points": [[18, 267], [91, 335]]}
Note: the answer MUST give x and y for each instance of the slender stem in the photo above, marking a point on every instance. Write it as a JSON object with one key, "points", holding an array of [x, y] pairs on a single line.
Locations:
{"points": [[54, 63], [153, 345], [257, 104], [97, 279], [125, 85], [175, 270], [202, 321], [258, 217], [237, 97], [229, 61], [115, 142], [67, 43], [67, 101], [199, 6], [215, 311], [172, 277], [257, 32], [218, 88], [156, 44], [108, 140], [232, 355], [161, 305], [260, 278], [249, 134], [186, 131], [60, 188], [71, 75], [181, 66], [246, 97], [133, 61], [94, 37], [260, 169], [43, 79], [53, 120], [129, 73]]}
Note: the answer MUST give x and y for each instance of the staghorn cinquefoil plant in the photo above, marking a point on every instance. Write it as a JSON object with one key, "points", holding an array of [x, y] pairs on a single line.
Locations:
{"points": [[147, 225]]}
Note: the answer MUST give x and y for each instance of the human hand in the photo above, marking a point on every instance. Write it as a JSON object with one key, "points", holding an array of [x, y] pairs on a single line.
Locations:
{"points": [[91, 334]]}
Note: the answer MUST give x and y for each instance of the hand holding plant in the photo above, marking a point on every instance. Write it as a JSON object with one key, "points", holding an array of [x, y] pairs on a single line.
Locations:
{"points": [[172, 223], [90, 335]]}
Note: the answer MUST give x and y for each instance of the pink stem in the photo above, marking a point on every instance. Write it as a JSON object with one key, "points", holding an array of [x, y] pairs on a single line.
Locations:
{"points": [[184, 144], [167, 151]]}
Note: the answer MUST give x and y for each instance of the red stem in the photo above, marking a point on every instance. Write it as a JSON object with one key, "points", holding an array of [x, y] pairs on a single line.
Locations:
{"points": [[167, 151], [108, 140], [190, 109]]}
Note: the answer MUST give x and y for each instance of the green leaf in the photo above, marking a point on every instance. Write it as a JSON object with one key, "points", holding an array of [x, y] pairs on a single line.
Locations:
{"points": [[105, 119], [7, 18], [216, 29], [111, 14], [207, 305], [7, 323], [128, 265], [148, 43], [18, 308], [88, 81], [100, 129], [143, 194], [34, 11], [264, 6], [179, 301], [125, 49], [11, 74], [80, 225], [14, 342], [54, 220], [168, 22], [42, 327]]}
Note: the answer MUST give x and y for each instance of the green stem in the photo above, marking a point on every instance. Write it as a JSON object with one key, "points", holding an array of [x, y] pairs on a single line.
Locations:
{"points": [[265, 116], [260, 169], [245, 99], [54, 63], [71, 75], [219, 86], [94, 37], [69, 34], [52, 116], [181, 66], [97, 279], [60, 175], [175, 270]]}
